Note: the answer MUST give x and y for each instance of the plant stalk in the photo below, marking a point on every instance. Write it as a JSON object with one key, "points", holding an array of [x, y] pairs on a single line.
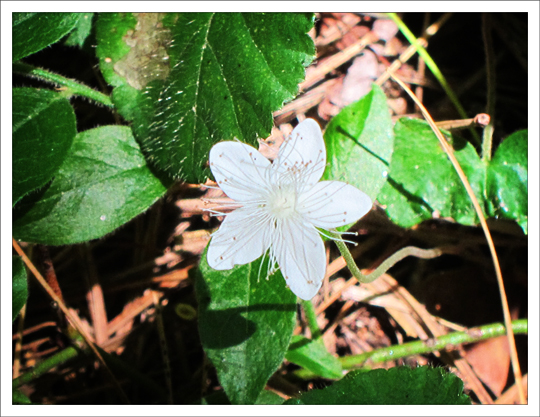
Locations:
{"points": [[72, 88]]}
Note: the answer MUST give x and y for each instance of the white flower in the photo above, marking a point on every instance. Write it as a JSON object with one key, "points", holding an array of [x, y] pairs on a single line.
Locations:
{"points": [[280, 205]]}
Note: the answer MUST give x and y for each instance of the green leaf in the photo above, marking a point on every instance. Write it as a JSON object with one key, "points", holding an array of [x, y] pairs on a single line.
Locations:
{"points": [[34, 31], [82, 30], [103, 183], [313, 355], [395, 386], [44, 126], [20, 286], [269, 398], [422, 179], [112, 47], [359, 142], [202, 78], [423, 182], [19, 398], [507, 180], [264, 398], [246, 324]]}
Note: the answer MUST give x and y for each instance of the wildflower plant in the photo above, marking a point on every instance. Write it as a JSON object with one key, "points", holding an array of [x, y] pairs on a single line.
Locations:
{"points": [[198, 90]]}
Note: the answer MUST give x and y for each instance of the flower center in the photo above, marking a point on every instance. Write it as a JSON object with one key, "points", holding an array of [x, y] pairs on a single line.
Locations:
{"points": [[282, 202]]}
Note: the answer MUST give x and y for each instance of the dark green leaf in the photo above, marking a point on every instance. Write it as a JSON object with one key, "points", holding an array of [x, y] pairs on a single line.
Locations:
{"points": [[395, 386], [202, 78], [103, 183], [313, 355], [264, 398], [423, 181], [44, 126], [246, 324], [81, 31], [34, 31], [507, 180], [268, 398], [359, 142], [20, 286]]}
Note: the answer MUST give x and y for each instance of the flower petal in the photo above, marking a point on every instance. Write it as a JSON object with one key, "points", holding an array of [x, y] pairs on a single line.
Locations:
{"points": [[303, 150], [331, 204], [300, 254], [239, 169], [241, 238]]}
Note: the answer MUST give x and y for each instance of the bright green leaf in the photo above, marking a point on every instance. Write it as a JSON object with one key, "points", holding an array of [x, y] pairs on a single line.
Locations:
{"points": [[34, 31], [395, 386], [422, 179], [81, 31], [246, 324], [19, 286], [44, 126], [359, 142], [313, 355], [507, 180], [103, 183], [206, 77]]}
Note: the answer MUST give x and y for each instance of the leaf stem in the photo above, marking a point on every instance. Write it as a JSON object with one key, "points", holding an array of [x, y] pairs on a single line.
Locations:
{"points": [[72, 87], [43, 367], [387, 264], [72, 352], [311, 317], [421, 347]]}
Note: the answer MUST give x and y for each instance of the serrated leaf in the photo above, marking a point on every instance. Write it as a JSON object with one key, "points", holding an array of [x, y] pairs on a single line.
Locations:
{"points": [[395, 386], [246, 324], [228, 73], [44, 126], [313, 355], [103, 183], [422, 179], [19, 286], [359, 143], [81, 31], [507, 180], [34, 31]]}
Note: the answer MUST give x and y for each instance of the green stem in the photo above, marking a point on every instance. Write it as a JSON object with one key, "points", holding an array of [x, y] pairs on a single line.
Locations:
{"points": [[73, 87], [311, 318], [421, 347], [432, 345], [387, 264], [490, 77], [115, 363], [432, 67], [45, 366]]}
